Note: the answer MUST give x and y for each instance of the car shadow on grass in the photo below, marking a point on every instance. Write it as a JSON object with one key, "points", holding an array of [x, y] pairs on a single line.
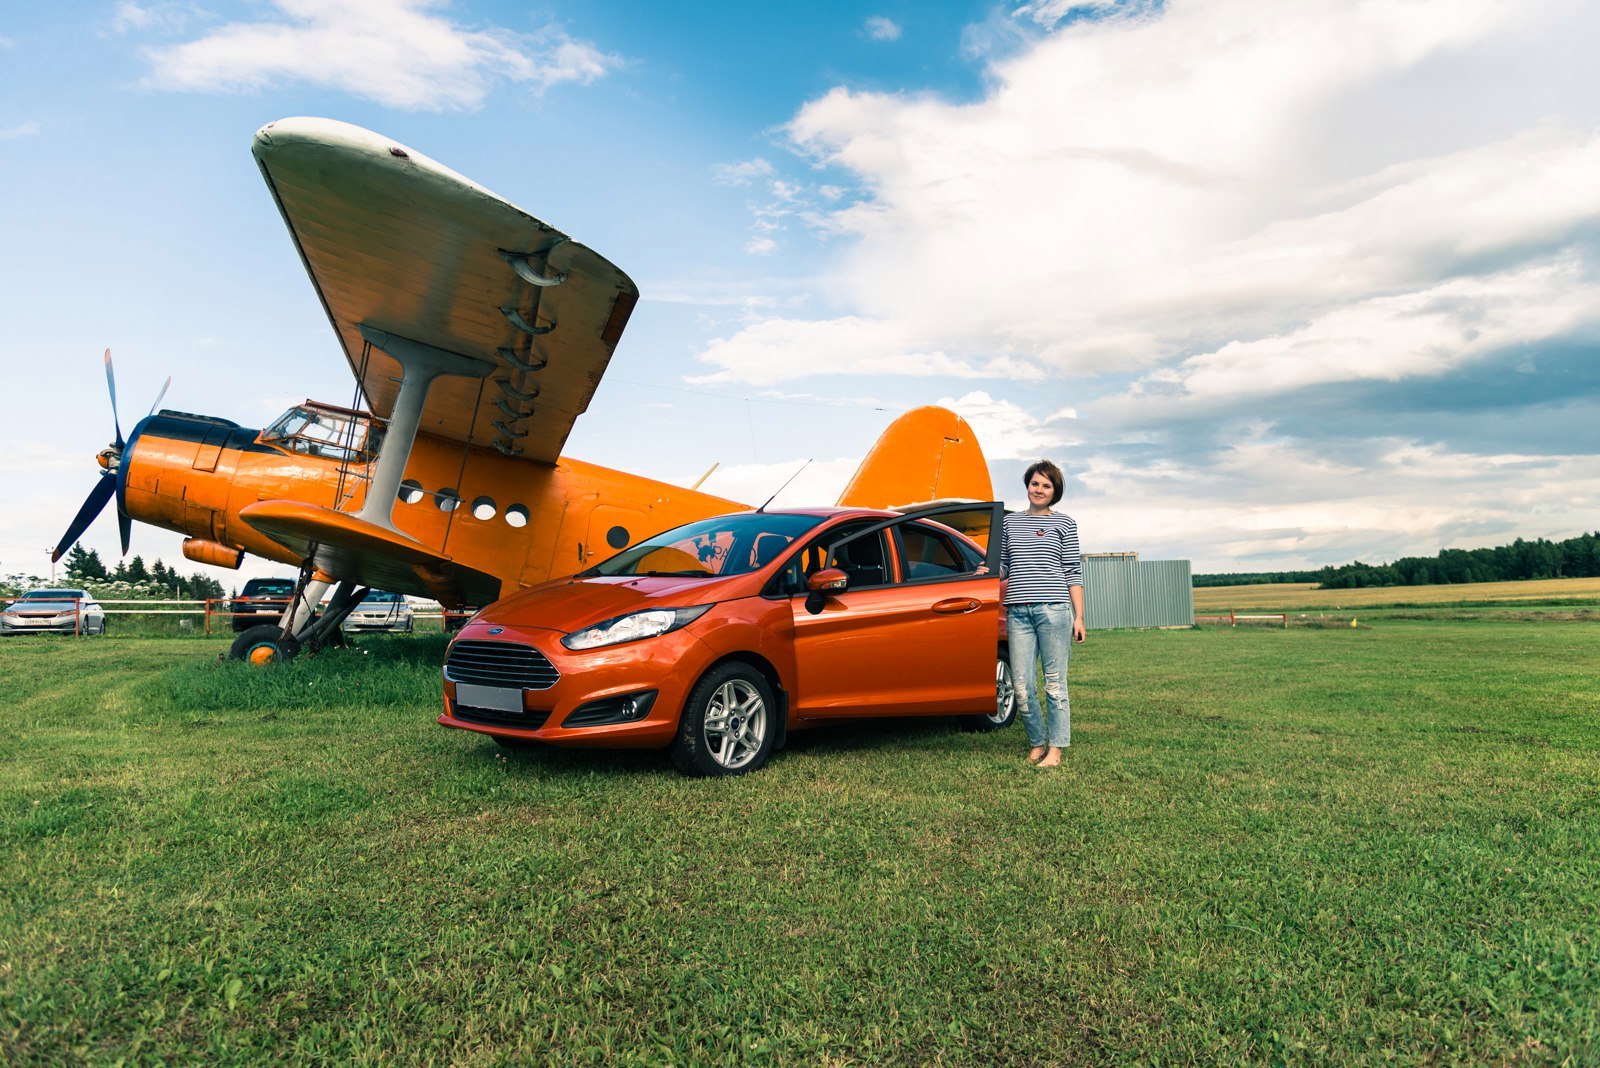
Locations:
{"points": [[911, 733]]}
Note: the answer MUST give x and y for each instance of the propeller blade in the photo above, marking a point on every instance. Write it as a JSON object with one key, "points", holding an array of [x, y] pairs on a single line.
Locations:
{"points": [[111, 384], [163, 393], [125, 528], [92, 505]]}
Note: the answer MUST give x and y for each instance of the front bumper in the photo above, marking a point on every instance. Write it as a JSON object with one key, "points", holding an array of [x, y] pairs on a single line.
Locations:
{"points": [[597, 690]]}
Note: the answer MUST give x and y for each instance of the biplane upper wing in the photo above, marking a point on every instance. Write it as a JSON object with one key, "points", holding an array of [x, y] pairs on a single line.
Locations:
{"points": [[398, 244]]}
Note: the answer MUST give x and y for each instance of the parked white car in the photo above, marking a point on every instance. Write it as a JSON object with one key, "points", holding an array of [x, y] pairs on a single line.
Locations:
{"points": [[382, 610], [53, 611]]}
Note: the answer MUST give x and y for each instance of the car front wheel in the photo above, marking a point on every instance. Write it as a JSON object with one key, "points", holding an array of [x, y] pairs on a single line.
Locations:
{"points": [[1005, 701], [728, 725]]}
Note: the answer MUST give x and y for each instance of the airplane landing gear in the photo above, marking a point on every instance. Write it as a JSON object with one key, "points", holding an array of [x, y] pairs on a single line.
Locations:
{"points": [[264, 644], [301, 630]]}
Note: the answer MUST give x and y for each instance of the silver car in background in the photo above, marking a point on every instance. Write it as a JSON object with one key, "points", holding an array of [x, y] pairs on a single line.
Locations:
{"points": [[381, 610], [53, 611]]}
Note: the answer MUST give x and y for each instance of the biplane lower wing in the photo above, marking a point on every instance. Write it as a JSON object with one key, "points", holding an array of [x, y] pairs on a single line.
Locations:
{"points": [[368, 554]]}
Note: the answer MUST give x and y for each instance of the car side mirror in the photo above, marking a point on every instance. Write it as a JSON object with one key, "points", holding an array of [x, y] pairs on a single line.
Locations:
{"points": [[828, 580]]}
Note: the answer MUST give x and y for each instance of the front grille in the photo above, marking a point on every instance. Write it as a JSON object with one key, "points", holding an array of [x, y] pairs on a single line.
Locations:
{"points": [[491, 717], [509, 664]]}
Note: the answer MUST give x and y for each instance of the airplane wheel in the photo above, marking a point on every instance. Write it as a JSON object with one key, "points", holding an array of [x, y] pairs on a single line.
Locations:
{"points": [[264, 644]]}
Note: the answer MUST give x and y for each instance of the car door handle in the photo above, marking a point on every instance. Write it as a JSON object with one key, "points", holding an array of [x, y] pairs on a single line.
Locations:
{"points": [[955, 606]]}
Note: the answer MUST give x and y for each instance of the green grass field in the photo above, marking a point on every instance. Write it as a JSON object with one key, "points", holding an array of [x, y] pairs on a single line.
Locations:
{"points": [[1304, 846]]}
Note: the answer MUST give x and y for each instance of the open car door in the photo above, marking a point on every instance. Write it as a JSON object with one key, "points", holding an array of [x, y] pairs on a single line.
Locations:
{"points": [[915, 630]]}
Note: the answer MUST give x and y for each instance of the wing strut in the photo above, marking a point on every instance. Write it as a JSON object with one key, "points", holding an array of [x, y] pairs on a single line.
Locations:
{"points": [[420, 364]]}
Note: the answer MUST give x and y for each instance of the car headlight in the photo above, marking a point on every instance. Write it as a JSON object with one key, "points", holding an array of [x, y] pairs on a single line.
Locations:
{"points": [[631, 628]]}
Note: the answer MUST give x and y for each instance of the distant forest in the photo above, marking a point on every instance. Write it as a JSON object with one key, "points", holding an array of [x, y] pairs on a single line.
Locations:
{"points": [[1574, 558]]}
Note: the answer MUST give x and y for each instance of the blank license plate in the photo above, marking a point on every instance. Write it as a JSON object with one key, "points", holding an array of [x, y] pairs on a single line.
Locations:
{"points": [[498, 698]]}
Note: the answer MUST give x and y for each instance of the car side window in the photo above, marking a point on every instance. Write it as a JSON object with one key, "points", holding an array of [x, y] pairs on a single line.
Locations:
{"points": [[864, 561], [927, 552]]}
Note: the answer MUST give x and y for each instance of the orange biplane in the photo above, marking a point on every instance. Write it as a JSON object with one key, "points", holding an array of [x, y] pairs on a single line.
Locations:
{"points": [[477, 334]]}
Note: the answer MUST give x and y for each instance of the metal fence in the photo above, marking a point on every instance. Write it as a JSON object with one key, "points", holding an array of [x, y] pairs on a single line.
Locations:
{"points": [[1120, 590]]}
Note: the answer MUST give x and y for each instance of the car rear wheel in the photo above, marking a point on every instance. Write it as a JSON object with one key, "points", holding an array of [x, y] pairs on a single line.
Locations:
{"points": [[264, 644], [1005, 701], [728, 724]]}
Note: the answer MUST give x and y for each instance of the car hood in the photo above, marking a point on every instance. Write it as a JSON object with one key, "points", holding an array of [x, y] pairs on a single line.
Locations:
{"points": [[571, 604]]}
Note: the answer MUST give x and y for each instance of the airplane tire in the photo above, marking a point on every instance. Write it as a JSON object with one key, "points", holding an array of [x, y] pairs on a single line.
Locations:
{"points": [[263, 644]]}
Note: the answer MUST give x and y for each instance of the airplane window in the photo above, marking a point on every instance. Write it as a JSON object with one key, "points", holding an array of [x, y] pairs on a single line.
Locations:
{"points": [[410, 491], [517, 516], [617, 537], [449, 500], [483, 508]]}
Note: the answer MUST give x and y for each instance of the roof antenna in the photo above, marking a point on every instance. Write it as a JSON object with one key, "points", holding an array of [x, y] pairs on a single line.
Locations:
{"points": [[785, 486]]}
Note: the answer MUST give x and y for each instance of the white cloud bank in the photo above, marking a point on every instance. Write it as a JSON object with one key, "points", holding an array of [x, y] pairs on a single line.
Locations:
{"points": [[1196, 210], [400, 53]]}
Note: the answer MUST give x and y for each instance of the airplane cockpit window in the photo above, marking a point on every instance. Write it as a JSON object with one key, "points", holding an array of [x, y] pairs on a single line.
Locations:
{"points": [[331, 433]]}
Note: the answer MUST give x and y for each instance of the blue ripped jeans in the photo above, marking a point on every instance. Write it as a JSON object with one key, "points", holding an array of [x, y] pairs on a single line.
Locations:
{"points": [[1041, 634]]}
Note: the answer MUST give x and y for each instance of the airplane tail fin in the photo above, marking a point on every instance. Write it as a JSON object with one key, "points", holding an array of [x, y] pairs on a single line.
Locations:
{"points": [[927, 454]]}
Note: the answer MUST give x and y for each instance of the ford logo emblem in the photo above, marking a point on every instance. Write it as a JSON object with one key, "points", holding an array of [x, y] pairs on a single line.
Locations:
{"points": [[496, 630]]}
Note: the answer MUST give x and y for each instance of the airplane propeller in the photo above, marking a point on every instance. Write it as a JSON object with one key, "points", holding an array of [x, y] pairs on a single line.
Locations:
{"points": [[110, 459]]}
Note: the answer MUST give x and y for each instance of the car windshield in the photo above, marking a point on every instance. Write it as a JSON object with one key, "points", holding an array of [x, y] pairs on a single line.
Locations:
{"points": [[55, 595], [382, 597], [726, 545]]}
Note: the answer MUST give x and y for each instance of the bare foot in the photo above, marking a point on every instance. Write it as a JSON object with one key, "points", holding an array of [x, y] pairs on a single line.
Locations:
{"points": [[1037, 754], [1051, 759]]}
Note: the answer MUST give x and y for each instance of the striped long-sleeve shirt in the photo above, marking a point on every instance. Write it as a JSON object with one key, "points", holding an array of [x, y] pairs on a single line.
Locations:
{"points": [[1040, 558]]}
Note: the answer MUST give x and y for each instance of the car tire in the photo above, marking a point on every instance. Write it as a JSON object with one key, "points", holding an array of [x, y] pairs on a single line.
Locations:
{"points": [[729, 724], [1005, 701], [264, 644]]}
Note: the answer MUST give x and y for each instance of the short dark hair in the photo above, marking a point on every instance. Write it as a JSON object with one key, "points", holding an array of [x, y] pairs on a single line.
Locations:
{"points": [[1048, 470]]}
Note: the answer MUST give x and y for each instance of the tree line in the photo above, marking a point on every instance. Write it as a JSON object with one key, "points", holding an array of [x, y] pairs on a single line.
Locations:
{"points": [[1577, 557], [85, 568]]}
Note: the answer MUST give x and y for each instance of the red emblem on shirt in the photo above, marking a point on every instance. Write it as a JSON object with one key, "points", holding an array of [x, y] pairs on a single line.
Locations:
{"points": [[1038, 533]]}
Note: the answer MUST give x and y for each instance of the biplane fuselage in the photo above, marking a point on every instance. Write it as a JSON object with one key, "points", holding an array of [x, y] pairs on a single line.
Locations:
{"points": [[503, 522]]}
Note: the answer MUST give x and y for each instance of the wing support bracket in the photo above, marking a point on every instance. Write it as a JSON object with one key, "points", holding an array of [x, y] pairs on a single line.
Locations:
{"points": [[420, 364], [522, 263], [514, 317]]}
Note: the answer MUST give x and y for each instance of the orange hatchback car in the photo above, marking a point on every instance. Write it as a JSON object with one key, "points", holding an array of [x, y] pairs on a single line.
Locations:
{"points": [[719, 637]]}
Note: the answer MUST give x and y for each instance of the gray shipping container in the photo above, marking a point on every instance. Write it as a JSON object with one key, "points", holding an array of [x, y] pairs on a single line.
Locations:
{"points": [[1120, 590]]}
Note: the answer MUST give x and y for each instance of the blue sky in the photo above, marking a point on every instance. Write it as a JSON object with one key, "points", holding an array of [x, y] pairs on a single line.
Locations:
{"points": [[1277, 286]]}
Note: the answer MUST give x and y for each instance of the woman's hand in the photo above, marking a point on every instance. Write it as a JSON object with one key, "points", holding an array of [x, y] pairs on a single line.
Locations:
{"points": [[1077, 629]]}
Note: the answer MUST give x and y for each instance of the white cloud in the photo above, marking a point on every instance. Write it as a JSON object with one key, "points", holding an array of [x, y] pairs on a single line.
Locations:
{"points": [[742, 173], [395, 52], [1425, 333], [879, 28], [780, 350], [1121, 192], [21, 129]]}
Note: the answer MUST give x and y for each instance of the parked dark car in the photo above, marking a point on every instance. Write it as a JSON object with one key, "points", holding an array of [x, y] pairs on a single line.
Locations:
{"points": [[261, 601]]}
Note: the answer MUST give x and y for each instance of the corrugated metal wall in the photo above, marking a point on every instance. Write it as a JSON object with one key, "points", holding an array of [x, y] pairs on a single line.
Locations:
{"points": [[1123, 591]]}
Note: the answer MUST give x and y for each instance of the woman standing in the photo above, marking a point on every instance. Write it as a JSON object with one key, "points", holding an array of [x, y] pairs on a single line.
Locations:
{"points": [[1043, 567]]}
